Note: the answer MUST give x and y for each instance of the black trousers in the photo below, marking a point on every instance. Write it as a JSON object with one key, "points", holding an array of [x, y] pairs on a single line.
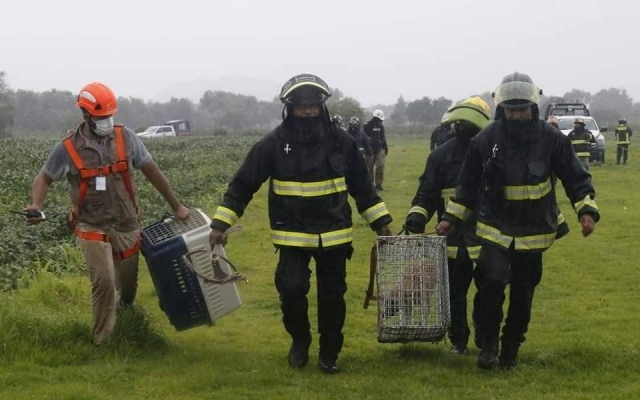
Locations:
{"points": [[292, 281], [623, 152], [497, 268], [460, 276]]}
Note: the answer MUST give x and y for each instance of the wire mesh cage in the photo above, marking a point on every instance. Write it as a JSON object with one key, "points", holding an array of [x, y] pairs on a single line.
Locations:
{"points": [[413, 288]]}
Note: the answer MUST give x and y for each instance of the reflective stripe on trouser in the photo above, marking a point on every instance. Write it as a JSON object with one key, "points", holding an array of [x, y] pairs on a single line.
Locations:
{"points": [[379, 160], [460, 275], [622, 152], [292, 282], [497, 267], [113, 282]]}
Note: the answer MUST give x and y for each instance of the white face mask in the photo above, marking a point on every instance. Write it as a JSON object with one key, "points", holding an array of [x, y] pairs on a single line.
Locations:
{"points": [[103, 126]]}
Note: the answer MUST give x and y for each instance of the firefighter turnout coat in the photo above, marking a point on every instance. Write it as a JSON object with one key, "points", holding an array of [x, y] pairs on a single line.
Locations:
{"points": [[308, 189]]}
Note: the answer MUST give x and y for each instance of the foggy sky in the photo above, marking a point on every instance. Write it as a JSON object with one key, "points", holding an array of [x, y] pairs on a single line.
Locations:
{"points": [[372, 50]]}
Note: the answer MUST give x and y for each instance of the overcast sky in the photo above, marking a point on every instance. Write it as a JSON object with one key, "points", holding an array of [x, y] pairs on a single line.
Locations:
{"points": [[372, 50]]}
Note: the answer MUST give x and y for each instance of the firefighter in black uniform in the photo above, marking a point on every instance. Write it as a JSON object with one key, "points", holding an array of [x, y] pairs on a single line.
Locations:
{"points": [[440, 135], [623, 140], [312, 167], [581, 139], [437, 186], [507, 180]]}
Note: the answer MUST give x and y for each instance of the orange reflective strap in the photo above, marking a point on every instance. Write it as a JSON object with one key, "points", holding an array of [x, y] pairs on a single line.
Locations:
{"points": [[103, 237], [122, 157]]}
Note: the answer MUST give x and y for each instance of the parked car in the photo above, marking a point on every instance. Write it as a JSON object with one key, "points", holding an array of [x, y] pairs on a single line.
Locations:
{"points": [[181, 126], [158, 131], [566, 124]]}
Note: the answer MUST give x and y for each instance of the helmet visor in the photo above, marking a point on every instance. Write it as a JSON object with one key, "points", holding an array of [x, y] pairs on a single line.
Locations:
{"points": [[517, 95]]}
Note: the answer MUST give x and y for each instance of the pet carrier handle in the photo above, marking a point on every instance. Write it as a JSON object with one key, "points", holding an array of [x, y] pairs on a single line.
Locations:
{"points": [[219, 276], [372, 276]]}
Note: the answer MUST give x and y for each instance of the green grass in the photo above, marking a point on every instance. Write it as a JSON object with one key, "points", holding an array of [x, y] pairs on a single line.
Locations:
{"points": [[582, 343]]}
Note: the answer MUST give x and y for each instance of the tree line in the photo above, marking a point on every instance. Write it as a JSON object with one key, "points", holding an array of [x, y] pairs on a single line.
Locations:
{"points": [[25, 112]]}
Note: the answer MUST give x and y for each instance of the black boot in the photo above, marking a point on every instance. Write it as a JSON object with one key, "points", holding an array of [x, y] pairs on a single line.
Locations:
{"points": [[327, 363], [299, 353], [488, 354], [460, 349], [509, 354]]}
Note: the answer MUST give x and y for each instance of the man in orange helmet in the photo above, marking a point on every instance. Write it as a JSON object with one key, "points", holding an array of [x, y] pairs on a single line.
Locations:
{"points": [[98, 160]]}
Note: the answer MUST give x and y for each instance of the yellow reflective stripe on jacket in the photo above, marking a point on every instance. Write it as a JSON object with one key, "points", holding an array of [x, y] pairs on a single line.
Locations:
{"points": [[458, 210], [623, 142], [312, 240], [373, 213], [419, 210], [561, 219], [474, 252], [448, 193], [493, 235], [583, 154], [532, 242], [580, 142], [225, 214], [535, 242], [587, 201], [452, 252], [309, 189], [527, 192]]}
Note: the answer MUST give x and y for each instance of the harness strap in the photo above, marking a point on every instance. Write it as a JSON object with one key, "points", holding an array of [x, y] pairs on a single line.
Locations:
{"points": [[103, 237]]}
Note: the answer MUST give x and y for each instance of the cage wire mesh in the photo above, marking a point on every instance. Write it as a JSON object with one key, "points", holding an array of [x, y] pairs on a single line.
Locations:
{"points": [[413, 288]]}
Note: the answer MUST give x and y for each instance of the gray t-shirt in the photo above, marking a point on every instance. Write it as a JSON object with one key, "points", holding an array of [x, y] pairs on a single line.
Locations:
{"points": [[57, 166]]}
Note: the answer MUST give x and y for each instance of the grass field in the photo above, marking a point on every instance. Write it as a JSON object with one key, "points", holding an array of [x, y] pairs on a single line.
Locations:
{"points": [[582, 344]]}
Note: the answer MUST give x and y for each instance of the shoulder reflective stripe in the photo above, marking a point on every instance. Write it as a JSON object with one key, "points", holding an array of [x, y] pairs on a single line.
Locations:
{"points": [[419, 210], [493, 235], [561, 219], [309, 189], [448, 192], [458, 210], [452, 252], [336, 237], [374, 213], [527, 192], [586, 202], [474, 252], [579, 142], [225, 214], [535, 242]]}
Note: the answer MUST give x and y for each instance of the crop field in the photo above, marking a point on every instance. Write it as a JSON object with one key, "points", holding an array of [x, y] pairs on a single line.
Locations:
{"points": [[583, 341]]}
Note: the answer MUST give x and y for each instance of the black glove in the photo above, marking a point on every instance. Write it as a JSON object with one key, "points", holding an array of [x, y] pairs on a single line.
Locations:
{"points": [[415, 223]]}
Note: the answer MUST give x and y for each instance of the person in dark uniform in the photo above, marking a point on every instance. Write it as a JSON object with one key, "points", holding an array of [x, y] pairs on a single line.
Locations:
{"points": [[507, 182], [312, 166]]}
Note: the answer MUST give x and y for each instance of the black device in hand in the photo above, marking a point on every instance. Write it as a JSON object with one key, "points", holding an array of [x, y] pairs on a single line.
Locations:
{"points": [[31, 214]]}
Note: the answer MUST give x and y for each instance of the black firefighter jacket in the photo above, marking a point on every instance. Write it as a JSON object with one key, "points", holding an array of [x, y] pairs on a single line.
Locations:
{"points": [[437, 187], [308, 189], [508, 180]]}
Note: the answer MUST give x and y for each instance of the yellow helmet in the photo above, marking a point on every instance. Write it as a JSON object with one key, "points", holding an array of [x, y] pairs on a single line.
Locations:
{"points": [[473, 110]]}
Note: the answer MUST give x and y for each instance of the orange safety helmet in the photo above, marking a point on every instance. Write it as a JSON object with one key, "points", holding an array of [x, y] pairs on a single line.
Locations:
{"points": [[97, 99]]}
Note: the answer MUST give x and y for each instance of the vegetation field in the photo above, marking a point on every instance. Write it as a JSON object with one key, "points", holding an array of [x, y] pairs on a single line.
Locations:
{"points": [[582, 344]]}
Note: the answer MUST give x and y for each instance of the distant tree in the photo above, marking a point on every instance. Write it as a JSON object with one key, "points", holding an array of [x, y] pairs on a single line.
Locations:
{"points": [[6, 106], [609, 105], [577, 95], [399, 114], [347, 107]]}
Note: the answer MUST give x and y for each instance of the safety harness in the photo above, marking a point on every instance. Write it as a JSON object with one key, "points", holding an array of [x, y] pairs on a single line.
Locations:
{"points": [[120, 167]]}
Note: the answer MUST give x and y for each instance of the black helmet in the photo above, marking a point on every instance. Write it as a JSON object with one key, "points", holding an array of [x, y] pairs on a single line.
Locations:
{"points": [[354, 121], [305, 90], [337, 119], [622, 121], [516, 91]]}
